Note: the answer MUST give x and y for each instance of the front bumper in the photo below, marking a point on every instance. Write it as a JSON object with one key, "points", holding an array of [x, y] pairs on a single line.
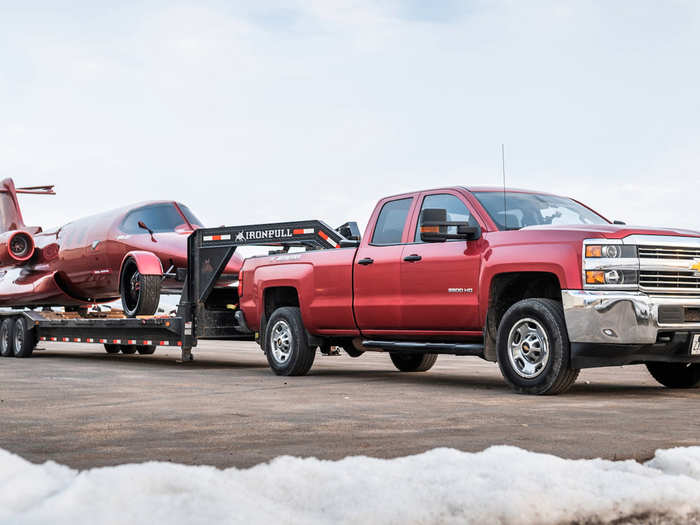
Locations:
{"points": [[627, 318]]}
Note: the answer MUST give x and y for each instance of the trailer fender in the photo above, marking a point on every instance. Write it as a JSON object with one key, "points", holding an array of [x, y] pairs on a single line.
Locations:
{"points": [[148, 263]]}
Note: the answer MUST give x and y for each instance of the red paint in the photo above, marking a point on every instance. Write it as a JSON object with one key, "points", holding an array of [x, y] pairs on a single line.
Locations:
{"points": [[80, 262], [393, 298]]}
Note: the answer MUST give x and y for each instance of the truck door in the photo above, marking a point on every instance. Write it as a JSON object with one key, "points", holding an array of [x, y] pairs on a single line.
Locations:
{"points": [[377, 278], [439, 280]]}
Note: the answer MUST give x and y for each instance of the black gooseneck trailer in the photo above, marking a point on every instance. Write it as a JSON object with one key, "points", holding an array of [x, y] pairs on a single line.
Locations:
{"points": [[204, 311]]}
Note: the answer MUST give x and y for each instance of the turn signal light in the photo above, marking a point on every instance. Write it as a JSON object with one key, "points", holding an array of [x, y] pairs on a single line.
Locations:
{"points": [[595, 277], [594, 251]]}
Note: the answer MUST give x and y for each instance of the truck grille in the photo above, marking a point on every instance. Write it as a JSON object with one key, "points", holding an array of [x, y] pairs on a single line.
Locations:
{"points": [[675, 282], [668, 252]]}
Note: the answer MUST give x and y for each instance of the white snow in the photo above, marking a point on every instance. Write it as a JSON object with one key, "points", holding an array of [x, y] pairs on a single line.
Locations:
{"points": [[499, 485]]}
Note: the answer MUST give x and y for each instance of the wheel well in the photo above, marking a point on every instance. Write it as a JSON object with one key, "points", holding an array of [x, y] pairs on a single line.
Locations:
{"points": [[280, 296], [509, 288]]}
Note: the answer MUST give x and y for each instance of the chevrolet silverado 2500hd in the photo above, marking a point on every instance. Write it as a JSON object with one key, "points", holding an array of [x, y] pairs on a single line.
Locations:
{"points": [[539, 283]]}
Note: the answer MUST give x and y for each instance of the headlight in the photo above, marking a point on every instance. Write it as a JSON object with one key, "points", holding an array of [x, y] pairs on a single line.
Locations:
{"points": [[610, 265]]}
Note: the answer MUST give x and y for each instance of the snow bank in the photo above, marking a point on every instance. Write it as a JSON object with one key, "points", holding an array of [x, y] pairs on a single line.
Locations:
{"points": [[498, 485]]}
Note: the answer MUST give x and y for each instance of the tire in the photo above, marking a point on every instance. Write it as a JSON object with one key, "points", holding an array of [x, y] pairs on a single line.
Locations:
{"points": [[112, 349], [127, 349], [145, 349], [413, 362], [286, 343], [6, 337], [540, 360], [675, 375], [23, 338], [140, 294]]}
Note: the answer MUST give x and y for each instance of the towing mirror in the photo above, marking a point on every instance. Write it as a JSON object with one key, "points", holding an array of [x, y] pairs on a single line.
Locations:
{"points": [[434, 227], [351, 232]]}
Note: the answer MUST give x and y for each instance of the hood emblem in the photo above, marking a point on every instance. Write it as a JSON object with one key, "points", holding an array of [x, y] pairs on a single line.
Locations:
{"points": [[696, 267]]}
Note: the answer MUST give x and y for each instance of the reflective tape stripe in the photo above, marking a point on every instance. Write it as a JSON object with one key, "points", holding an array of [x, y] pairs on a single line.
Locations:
{"points": [[302, 231], [208, 238], [328, 239]]}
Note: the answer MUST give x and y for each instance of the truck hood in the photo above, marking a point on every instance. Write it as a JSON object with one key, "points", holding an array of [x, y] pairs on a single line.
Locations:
{"points": [[613, 231]]}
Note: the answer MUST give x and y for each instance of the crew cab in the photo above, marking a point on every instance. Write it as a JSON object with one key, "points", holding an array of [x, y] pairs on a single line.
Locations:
{"points": [[541, 284]]}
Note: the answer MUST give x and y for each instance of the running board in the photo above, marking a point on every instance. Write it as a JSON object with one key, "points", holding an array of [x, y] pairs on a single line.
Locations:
{"points": [[428, 348]]}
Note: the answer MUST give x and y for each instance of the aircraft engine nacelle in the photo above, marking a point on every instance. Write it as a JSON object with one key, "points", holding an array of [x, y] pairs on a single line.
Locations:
{"points": [[16, 247]]}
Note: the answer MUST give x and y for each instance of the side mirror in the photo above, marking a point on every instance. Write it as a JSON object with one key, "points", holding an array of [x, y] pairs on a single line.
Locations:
{"points": [[434, 227], [350, 231]]}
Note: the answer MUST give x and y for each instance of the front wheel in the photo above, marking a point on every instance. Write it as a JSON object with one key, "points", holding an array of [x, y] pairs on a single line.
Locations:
{"points": [[286, 343], [140, 293], [533, 348], [412, 362], [676, 375]]}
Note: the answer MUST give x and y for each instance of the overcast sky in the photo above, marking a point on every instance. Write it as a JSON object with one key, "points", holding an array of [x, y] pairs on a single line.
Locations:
{"points": [[272, 110]]}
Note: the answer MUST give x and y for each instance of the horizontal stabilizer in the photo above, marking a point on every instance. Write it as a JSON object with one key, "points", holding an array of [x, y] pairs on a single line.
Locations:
{"points": [[37, 190]]}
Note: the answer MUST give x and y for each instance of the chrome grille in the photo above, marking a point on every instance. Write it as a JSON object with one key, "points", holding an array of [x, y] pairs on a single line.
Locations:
{"points": [[670, 281], [668, 252]]}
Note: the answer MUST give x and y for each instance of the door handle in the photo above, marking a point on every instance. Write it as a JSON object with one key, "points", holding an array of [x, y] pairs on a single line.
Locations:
{"points": [[365, 261], [414, 257]]}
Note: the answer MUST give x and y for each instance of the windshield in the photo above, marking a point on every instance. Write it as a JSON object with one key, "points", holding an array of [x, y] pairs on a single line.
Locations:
{"points": [[534, 209], [157, 217], [193, 220]]}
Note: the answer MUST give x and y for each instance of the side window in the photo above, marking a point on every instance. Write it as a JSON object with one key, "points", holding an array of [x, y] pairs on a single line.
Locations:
{"points": [[457, 211], [391, 222]]}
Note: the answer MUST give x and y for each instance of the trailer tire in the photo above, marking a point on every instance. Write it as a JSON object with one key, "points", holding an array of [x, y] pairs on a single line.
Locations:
{"points": [[286, 343], [112, 349], [23, 338], [538, 361], [127, 349], [412, 361], [145, 349], [6, 337], [675, 375], [140, 293]]}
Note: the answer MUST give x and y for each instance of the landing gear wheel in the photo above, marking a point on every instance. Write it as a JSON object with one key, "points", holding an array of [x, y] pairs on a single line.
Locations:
{"points": [[533, 348], [6, 337], [675, 375], [286, 344], [112, 349], [140, 293], [23, 339], [145, 349], [127, 349], [413, 362]]}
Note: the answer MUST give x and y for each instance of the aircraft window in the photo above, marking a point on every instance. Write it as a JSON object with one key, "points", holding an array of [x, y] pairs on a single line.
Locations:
{"points": [[194, 221], [159, 218]]}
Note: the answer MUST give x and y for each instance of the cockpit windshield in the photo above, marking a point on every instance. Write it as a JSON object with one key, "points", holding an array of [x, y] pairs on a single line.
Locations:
{"points": [[157, 217], [520, 210]]}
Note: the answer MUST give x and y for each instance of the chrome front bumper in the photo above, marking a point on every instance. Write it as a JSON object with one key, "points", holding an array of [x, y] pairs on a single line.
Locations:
{"points": [[622, 317]]}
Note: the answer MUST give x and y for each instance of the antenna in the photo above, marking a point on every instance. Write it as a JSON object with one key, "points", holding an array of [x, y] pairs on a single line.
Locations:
{"points": [[503, 169]]}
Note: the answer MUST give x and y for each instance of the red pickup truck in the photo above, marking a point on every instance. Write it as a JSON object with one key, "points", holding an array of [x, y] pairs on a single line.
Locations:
{"points": [[539, 283]]}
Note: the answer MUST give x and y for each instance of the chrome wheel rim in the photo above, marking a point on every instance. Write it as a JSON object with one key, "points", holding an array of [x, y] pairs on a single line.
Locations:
{"points": [[19, 335], [528, 348], [281, 341]]}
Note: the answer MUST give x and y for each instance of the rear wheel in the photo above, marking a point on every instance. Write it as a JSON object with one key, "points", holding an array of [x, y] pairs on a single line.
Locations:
{"points": [[128, 349], [140, 293], [111, 349], [145, 349], [6, 337], [23, 339], [412, 362], [286, 344], [533, 348], [676, 375]]}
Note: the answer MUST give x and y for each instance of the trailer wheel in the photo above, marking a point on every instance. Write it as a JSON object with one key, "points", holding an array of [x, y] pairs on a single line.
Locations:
{"points": [[140, 293], [413, 362], [23, 338], [286, 343], [675, 375], [128, 349], [145, 349], [533, 348], [112, 349], [6, 337]]}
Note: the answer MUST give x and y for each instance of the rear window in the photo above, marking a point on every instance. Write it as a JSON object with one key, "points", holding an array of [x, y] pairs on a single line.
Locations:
{"points": [[391, 222]]}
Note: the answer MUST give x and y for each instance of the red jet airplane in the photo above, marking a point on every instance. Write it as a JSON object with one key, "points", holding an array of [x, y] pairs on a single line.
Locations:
{"points": [[132, 253]]}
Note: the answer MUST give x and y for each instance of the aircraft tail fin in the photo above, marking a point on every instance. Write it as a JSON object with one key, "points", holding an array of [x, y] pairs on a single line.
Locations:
{"points": [[10, 212]]}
